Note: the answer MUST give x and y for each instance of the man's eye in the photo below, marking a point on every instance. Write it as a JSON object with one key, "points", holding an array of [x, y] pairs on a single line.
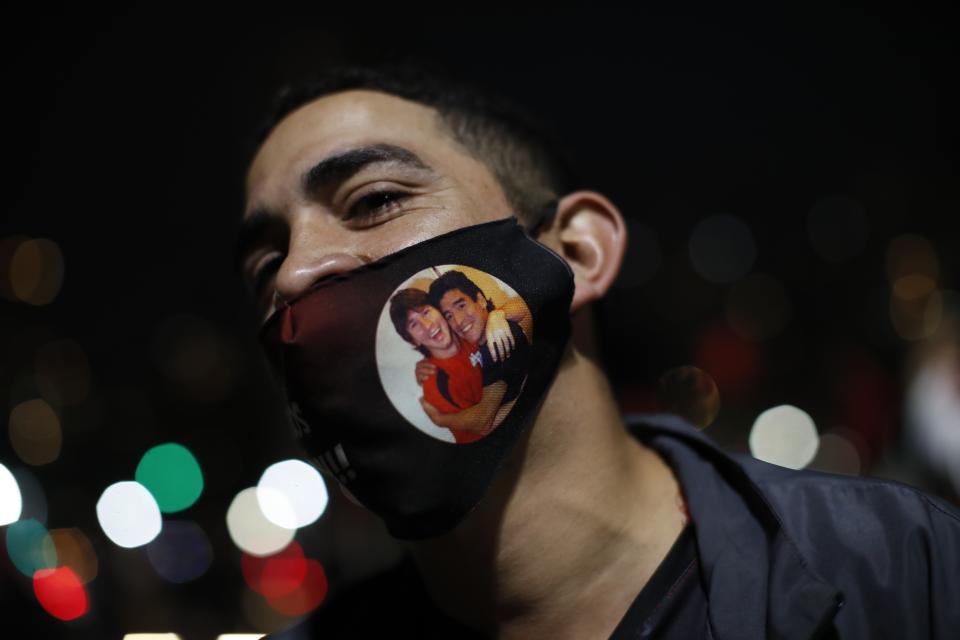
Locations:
{"points": [[375, 205]]}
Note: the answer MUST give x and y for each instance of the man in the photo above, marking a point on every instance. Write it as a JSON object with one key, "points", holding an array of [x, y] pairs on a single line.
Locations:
{"points": [[583, 532], [470, 314], [456, 381]]}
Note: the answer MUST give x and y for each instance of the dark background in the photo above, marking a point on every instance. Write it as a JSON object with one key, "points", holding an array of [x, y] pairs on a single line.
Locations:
{"points": [[125, 144]]}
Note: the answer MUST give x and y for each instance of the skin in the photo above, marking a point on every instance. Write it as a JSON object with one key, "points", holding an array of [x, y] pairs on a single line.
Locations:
{"points": [[580, 514], [428, 329], [468, 316]]}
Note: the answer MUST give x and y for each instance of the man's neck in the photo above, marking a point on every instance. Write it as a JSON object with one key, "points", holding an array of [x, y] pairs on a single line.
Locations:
{"points": [[574, 525]]}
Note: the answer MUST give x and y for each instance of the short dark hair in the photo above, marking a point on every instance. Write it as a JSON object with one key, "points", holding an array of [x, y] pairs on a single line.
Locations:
{"points": [[527, 161], [401, 304], [451, 280]]}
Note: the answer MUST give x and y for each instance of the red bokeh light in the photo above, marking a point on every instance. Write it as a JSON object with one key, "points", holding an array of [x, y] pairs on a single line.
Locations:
{"points": [[60, 593], [307, 596], [729, 359], [276, 575]]}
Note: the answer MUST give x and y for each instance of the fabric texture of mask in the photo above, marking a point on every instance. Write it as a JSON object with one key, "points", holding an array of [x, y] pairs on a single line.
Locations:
{"points": [[346, 353]]}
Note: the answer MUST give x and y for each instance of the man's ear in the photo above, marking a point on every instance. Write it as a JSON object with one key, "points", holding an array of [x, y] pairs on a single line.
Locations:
{"points": [[588, 231]]}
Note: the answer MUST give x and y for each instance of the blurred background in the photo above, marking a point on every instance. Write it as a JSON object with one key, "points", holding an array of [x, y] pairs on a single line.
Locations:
{"points": [[790, 181]]}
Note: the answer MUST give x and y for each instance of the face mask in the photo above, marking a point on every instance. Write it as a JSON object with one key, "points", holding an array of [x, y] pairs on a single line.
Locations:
{"points": [[347, 350]]}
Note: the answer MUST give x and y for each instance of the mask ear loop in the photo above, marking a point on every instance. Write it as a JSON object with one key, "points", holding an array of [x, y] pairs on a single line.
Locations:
{"points": [[544, 218]]}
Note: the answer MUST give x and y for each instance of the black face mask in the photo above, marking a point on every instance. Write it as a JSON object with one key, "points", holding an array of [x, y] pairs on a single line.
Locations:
{"points": [[347, 354]]}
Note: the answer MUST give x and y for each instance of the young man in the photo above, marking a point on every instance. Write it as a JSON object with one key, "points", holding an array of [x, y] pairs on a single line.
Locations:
{"points": [[582, 531]]}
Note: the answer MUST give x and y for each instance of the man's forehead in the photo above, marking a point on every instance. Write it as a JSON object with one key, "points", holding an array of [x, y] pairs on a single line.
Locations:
{"points": [[452, 295], [341, 121]]}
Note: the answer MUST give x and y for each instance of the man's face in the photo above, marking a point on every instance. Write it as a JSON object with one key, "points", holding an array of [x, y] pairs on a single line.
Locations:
{"points": [[428, 328], [350, 178], [467, 317]]}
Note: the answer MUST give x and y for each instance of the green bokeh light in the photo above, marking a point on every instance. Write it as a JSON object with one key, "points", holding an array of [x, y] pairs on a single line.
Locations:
{"points": [[30, 547], [171, 473]]}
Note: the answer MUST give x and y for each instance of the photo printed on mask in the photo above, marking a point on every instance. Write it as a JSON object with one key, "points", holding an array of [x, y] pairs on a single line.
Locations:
{"points": [[453, 351]]}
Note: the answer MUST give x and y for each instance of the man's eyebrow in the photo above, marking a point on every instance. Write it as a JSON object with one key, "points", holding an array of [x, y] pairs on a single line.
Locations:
{"points": [[342, 166], [319, 177]]}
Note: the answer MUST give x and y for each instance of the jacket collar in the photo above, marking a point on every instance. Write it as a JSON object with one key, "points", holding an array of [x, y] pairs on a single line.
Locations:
{"points": [[758, 583]]}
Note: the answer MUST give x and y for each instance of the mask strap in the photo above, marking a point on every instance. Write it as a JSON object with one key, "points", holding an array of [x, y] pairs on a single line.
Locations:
{"points": [[545, 217]]}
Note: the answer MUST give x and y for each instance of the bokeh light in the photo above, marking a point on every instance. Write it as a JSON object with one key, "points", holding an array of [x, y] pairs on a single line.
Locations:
{"points": [[62, 371], [30, 547], [837, 454], [729, 359], [250, 529], [172, 474], [35, 432], [837, 226], [785, 436], [758, 307], [912, 255], [913, 286], [60, 593], [301, 485], [691, 393], [181, 552], [307, 596], [11, 502], [8, 246], [918, 315], [933, 411], [128, 514], [75, 551], [722, 249], [277, 574], [642, 259], [36, 271]]}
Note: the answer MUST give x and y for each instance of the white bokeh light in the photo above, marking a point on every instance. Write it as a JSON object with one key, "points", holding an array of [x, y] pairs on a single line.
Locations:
{"points": [[303, 489], [11, 502], [785, 436], [250, 529], [128, 514]]}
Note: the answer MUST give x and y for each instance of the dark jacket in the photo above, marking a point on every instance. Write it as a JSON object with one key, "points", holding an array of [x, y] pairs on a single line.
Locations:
{"points": [[783, 554], [801, 554]]}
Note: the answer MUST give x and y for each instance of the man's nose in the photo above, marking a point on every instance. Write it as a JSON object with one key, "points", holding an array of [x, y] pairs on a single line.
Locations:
{"points": [[302, 269]]}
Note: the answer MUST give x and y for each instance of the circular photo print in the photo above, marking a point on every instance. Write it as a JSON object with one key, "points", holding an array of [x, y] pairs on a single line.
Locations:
{"points": [[453, 350]]}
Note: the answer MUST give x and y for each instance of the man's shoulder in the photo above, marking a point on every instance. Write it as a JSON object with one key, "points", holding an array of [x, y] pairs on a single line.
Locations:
{"points": [[846, 496], [794, 496], [888, 551]]}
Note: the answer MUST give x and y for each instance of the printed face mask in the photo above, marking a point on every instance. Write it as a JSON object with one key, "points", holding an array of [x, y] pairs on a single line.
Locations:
{"points": [[410, 378]]}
